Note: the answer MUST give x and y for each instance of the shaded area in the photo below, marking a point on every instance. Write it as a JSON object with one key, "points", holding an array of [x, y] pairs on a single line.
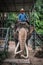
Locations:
{"points": [[16, 5]]}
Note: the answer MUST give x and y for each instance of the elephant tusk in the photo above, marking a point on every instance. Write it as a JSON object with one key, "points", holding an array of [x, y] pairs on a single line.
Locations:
{"points": [[16, 52], [26, 52]]}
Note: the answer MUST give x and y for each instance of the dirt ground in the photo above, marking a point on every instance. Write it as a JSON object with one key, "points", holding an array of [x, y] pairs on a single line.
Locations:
{"points": [[34, 60]]}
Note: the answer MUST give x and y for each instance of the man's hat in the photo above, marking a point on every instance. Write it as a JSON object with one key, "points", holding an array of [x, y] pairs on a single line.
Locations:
{"points": [[22, 10]]}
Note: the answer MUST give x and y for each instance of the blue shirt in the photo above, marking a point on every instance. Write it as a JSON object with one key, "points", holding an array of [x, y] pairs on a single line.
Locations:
{"points": [[22, 17]]}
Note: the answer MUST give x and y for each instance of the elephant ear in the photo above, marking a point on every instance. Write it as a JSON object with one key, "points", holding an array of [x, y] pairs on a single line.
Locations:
{"points": [[30, 32], [31, 29]]}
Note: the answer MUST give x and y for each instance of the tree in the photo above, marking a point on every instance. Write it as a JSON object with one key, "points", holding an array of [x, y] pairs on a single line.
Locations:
{"points": [[11, 18], [37, 16]]}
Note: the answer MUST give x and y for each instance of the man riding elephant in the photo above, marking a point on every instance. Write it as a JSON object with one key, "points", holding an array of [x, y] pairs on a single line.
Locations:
{"points": [[22, 33], [22, 22], [22, 17]]}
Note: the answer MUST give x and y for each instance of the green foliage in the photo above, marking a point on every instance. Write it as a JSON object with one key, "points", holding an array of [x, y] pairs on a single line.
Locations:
{"points": [[11, 18], [37, 16], [39, 26]]}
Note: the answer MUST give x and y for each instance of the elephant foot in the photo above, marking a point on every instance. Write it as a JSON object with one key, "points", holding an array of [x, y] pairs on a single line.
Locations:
{"points": [[17, 56]]}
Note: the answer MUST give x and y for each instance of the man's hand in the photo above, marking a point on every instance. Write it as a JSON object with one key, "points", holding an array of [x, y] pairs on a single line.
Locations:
{"points": [[27, 22]]}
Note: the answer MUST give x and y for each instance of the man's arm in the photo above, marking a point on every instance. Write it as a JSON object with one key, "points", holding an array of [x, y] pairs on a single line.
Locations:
{"points": [[19, 17]]}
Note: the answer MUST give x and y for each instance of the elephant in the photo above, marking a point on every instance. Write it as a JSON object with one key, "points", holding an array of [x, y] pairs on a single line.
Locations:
{"points": [[23, 36]]}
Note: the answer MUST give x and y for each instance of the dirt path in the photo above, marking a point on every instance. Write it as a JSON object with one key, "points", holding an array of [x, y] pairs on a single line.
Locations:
{"points": [[34, 60]]}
